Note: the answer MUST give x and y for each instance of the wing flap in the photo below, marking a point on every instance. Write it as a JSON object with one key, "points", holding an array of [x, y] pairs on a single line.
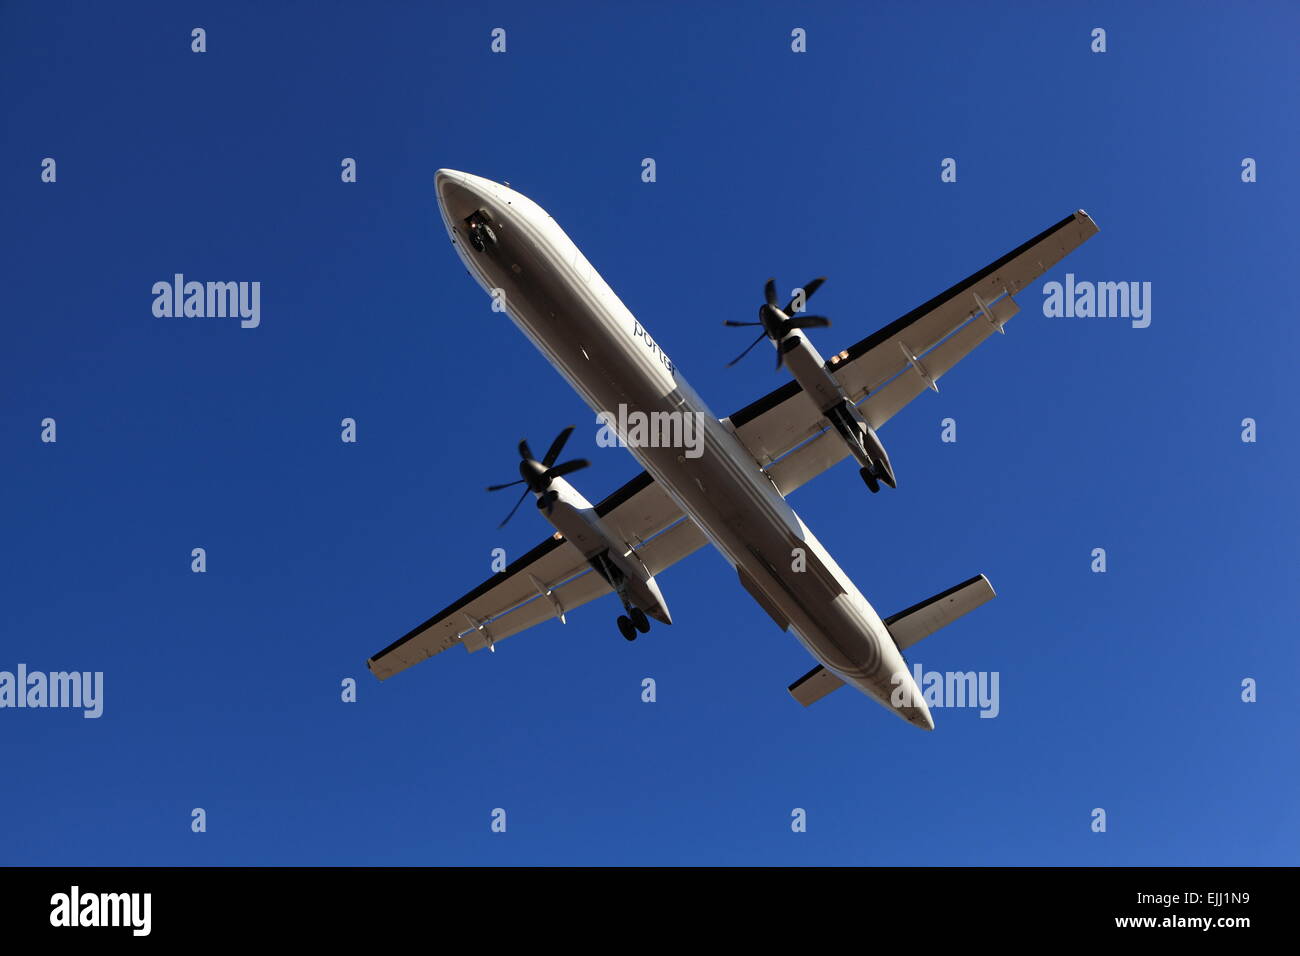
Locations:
{"points": [[551, 562], [879, 357], [892, 366], [808, 461], [551, 579], [639, 509], [545, 604], [666, 549]]}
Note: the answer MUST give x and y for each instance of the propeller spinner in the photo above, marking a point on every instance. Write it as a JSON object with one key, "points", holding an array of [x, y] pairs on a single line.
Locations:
{"points": [[537, 475], [777, 323]]}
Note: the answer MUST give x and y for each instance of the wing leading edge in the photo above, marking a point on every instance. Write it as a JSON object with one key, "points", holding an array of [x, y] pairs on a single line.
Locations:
{"points": [[549, 581], [786, 435], [885, 371]]}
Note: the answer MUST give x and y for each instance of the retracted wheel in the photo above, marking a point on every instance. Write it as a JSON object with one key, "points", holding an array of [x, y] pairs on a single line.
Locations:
{"points": [[639, 620], [480, 233], [870, 479], [626, 627]]}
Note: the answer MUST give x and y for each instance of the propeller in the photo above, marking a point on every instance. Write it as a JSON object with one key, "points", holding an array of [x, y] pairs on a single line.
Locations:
{"points": [[537, 475], [777, 323]]}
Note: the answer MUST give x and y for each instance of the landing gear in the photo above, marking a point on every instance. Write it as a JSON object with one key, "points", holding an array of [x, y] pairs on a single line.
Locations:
{"points": [[632, 623], [481, 236], [480, 230], [870, 479]]}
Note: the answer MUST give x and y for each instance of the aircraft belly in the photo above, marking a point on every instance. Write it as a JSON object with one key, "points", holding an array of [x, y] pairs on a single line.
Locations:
{"points": [[590, 337]]}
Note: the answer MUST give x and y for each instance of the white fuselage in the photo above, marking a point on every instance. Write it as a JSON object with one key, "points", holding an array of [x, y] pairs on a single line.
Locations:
{"points": [[573, 317]]}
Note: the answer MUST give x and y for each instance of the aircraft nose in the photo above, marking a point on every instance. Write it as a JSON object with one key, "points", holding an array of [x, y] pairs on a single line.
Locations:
{"points": [[912, 707], [460, 194], [920, 717], [453, 190], [445, 177]]}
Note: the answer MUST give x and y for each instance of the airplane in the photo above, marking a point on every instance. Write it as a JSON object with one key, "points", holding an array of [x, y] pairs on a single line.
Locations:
{"points": [[733, 495]]}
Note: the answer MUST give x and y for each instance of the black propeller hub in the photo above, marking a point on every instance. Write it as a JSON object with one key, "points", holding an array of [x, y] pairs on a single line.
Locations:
{"points": [[536, 476], [777, 323], [773, 321]]}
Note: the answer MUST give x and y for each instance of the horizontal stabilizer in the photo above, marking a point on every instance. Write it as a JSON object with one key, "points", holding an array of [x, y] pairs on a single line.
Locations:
{"points": [[906, 628], [814, 685], [922, 620]]}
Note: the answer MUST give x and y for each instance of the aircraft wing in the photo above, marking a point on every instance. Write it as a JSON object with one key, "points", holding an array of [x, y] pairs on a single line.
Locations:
{"points": [[786, 433], [550, 580]]}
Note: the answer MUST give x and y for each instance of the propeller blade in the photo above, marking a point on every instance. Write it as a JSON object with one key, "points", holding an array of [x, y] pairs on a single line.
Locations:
{"points": [[567, 468], [808, 322], [748, 350], [514, 509], [557, 446], [511, 485], [808, 290], [524, 451], [737, 325], [769, 292]]}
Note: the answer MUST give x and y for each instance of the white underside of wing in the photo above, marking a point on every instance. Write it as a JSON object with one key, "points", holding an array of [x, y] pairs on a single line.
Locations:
{"points": [[785, 431]]}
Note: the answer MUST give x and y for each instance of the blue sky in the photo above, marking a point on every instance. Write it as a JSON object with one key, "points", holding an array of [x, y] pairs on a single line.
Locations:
{"points": [[222, 690]]}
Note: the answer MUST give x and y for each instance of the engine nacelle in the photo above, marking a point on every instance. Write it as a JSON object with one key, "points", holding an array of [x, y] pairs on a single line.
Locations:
{"points": [[862, 441], [810, 371]]}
